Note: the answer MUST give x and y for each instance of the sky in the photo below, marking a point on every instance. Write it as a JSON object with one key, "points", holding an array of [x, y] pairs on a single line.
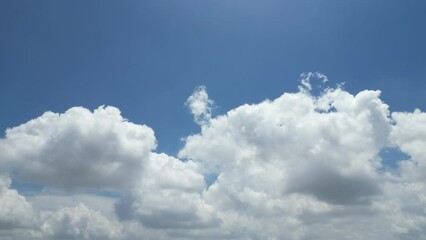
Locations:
{"points": [[212, 119]]}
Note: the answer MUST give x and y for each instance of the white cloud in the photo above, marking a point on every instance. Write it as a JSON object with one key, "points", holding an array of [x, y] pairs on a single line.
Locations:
{"points": [[15, 211], [403, 207], [409, 134], [79, 222], [168, 196], [47, 201], [78, 148], [306, 80], [302, 166], [287, 145], [200, 105], [322, 150], [19, 220]]}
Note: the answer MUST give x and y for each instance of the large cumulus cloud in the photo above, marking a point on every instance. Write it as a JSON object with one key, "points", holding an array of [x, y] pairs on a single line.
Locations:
{"points": [[78, 148], [297, 144], [302, 166]]}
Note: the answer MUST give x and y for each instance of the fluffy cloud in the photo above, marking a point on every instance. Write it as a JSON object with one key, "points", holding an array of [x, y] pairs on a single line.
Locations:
{"points": [[403, 209], [166, 184], [302, 166], [297, 144], [409, 134], [78, 148], [79, 222], [200, 105], [15, 211], [18, 219], [299, 155]]}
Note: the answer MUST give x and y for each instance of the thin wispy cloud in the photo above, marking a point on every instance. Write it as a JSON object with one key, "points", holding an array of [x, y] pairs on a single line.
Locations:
{"points": [[200, 105]]}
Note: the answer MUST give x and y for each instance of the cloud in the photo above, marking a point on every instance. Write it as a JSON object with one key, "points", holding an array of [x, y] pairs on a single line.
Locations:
{"points": [[168, 183], [19, 219], [306, 80], [336, 188], [409, 134], [200, 105], [79, 222], [403, 207], [269, 157], [15, 211], [287, 145], [302, 166], [78, 148]]}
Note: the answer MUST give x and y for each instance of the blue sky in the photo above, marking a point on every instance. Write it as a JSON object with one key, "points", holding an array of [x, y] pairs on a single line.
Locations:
{"points": [[146, 57], [214, 160]]}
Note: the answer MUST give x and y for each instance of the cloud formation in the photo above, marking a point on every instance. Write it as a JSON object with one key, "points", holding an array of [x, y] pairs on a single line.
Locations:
{"points": [[79, 222], [200, 105], [168, 183], [301, 166], [15, 211], [295, 144], [78, 148]]}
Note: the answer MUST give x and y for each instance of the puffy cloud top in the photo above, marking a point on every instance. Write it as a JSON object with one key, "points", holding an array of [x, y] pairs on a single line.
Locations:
{"points": [[296, 143], [78, 148]]}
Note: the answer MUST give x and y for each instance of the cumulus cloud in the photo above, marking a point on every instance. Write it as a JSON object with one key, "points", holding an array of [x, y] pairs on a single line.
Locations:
{"points": [[78, 148], [168, 183], [302, 166], [288, 145], [200, 105], [18, 219], [409, 134], [79, 222], [15, 211], [299, 148], [51, 201]]}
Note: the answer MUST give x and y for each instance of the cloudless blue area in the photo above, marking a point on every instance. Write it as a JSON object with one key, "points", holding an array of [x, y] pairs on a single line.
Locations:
{"points": [[210, 179], [391, 156], [146, 57]]}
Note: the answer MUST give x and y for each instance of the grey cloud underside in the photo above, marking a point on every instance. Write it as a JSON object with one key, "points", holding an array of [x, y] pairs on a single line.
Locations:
{"points": [[334, 188], [169, 219], [296, 167]]}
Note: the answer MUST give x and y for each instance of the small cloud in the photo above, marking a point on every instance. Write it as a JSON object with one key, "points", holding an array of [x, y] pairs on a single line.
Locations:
{"points": [[200, 105], [306, 80]]}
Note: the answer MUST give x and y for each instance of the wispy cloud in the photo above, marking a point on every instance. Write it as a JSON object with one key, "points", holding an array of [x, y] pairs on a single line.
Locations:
{"points": [[200, 105]]}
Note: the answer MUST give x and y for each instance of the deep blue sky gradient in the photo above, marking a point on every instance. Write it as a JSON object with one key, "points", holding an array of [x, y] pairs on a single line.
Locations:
{"points": [[146, 57]]}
